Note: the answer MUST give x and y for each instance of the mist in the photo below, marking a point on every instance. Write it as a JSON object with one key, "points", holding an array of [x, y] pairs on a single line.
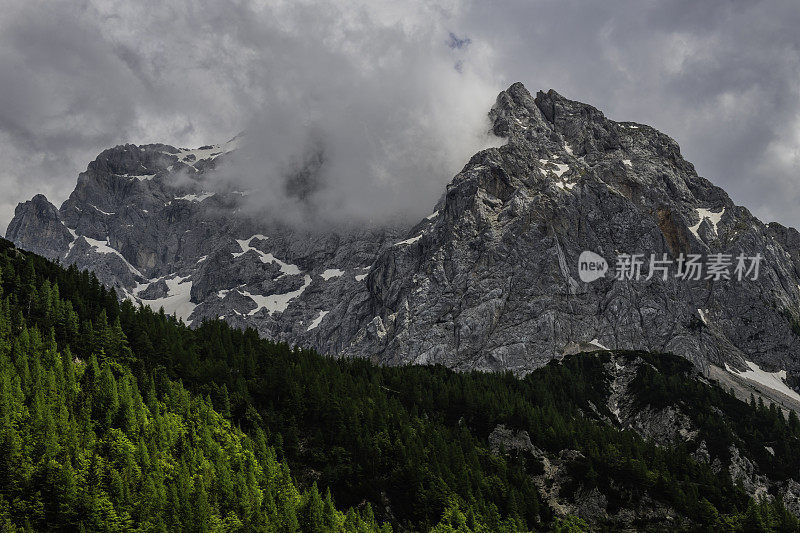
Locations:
{"points": [[364, 110], [364, 129]]}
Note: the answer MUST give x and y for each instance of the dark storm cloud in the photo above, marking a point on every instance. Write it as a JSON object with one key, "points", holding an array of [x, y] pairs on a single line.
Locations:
{"points": [[393, 96]]}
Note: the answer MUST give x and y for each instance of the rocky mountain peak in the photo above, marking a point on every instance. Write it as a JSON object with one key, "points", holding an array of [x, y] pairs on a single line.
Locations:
{"points": [[37, 227], [487, 281], [514, 112], [132, 160]]}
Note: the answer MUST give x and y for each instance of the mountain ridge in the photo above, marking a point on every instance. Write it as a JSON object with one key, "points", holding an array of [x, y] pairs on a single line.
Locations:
{"points": [[488, 281]]}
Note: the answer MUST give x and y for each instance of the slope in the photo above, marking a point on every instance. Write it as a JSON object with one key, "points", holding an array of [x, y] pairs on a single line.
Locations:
{"points": [[119, 399], [91, 442]]}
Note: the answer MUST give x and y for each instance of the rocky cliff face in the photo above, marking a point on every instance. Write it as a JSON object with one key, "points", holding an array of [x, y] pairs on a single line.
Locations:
{"points": [[141, 220], [491, 281], [488, 281]]}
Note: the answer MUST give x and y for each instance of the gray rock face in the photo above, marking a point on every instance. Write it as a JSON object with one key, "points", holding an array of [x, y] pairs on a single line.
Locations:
{"points": [[492, 283], [503, 439], [743, 470], [37, 227], [790, 494], [488, 281], [140, 218]]}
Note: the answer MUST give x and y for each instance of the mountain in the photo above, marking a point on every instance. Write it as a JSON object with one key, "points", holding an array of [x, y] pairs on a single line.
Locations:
{"points": [[119, 418], [145, 228], [488, 281], [91, 440]]}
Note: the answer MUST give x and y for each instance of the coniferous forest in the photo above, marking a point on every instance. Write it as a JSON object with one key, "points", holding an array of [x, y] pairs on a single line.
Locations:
{"points": [[119, 418]]}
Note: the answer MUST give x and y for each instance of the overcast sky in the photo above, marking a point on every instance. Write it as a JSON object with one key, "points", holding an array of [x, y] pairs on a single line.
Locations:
{"points": [[392, 94]]}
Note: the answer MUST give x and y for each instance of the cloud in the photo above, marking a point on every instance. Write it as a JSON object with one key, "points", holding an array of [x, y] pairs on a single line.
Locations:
{"points": [[363, 120], [456, 42], [385, 101], [369, 89]]}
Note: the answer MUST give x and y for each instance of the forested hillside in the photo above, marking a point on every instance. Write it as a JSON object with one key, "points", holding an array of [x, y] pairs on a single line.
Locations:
{"points": [[118, 418], [92, 440]]}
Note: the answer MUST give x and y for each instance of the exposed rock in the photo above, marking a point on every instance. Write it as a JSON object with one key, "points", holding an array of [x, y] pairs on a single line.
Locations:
{"points": [[651, 515], [667, 425], [155, 290], [591, 504], [489, 281], [503, 438], [37, 227], [701, 454], [742, 469], [790, 494]]}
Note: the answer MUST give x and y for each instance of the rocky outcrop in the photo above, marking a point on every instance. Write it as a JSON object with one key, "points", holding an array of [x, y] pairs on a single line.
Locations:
{"points": [[744, 471], [37, 227], [488, 281], [504, 440], [673, 422], [557, 486]]}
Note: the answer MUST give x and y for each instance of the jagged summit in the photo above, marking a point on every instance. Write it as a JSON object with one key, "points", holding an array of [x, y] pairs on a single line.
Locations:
{"points": [[37, 227], [488, 280]]}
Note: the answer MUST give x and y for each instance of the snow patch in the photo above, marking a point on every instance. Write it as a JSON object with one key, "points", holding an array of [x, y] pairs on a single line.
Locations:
{"points": [[772, 380], [561, 169], [275, 302], [704, 214], [286, 268], [332, 273], [190, 157], [177, 301], [140, 177], [627, 162], [412, 240], [432, 215], [317, 320], [196, 197], [102, 247], [596, 343], [98, 209], [75, 238]]}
